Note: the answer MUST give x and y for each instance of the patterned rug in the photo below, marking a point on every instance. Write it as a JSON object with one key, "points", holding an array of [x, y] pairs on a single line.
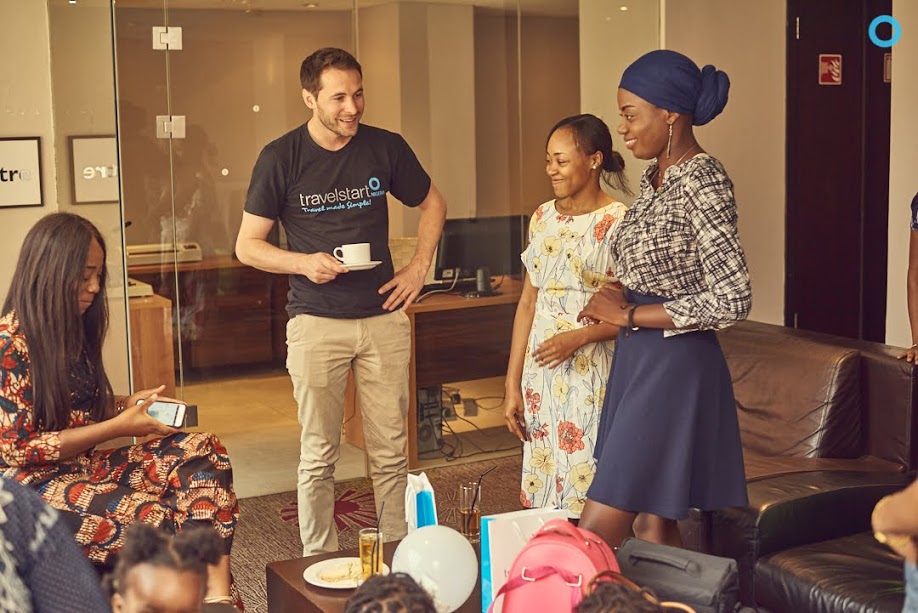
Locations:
{"points": [[268, 528]]}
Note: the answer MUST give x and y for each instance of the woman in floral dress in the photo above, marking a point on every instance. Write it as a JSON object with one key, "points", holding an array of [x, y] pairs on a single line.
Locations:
{"points": [[558, 368]]}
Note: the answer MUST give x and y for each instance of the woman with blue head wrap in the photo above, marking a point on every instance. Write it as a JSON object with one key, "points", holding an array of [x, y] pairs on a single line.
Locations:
{"points": [[669, 438]]}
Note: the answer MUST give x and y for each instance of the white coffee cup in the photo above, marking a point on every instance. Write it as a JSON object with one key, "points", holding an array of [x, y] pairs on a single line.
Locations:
{"points": [[353, 253]]}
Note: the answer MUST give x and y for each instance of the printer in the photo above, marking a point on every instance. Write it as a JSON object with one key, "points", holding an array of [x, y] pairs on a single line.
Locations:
{"points": [[163, 253]]}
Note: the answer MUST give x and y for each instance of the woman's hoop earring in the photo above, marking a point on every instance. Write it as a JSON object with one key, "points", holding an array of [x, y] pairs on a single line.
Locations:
{"points": [[669, 143]]}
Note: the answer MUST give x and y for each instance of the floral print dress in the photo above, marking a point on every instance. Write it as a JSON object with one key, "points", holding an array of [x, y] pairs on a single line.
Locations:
{"points": [[568, 259]]}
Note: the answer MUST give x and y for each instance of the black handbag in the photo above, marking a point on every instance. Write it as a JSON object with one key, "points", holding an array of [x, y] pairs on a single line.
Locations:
{"points": [[709, 584]]}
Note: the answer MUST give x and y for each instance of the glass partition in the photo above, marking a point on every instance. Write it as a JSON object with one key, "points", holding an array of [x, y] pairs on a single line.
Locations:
{"points": [[86, 150], [231, 88], [472, 86]]}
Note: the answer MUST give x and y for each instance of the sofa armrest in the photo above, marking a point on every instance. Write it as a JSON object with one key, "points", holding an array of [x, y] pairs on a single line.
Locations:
{"points": [[797, 509]]}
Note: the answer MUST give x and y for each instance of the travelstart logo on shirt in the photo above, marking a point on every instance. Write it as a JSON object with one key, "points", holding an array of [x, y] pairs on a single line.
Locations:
{"points": [[342, 198]]}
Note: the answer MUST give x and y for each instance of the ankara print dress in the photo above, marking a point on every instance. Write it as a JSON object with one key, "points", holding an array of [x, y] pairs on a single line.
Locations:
{"points": [[169, 482], [568, 259]]}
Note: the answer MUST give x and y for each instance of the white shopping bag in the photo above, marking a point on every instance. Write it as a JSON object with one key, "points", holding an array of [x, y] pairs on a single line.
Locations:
{"points": [[420, 503], [502, 538]]}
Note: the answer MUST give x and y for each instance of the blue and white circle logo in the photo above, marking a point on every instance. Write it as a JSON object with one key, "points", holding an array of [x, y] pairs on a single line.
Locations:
{"points": [[896, 31], [373, 183]]}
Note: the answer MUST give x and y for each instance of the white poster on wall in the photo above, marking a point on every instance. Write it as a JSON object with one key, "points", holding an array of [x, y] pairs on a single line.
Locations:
{"points": [[20, 171], [94, 161]]}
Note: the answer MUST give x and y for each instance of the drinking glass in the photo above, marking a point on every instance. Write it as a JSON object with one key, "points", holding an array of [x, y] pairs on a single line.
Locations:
{"points": [[370, 545], [470, 511]]}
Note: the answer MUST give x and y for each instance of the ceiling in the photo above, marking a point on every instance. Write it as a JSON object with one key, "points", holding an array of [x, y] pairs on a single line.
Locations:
{"points": [[529, 7]]}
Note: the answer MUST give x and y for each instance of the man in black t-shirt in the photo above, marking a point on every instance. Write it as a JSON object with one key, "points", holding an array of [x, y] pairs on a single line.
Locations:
{"points": [[326, 182]]}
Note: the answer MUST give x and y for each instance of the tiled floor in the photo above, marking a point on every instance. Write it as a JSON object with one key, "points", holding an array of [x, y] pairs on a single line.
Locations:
{"points": [[255, 417]]}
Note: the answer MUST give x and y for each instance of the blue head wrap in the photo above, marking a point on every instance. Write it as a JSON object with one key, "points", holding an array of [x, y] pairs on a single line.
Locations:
{"points": [[671, 81]]}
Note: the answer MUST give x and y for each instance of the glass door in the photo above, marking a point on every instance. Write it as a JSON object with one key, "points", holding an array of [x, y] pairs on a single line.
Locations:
{"points": [[85, 146], [231, 88]]}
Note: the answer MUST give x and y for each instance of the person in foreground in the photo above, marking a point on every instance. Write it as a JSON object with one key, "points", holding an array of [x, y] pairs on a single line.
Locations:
{"points": [[895, 523], [613, 597], [557, 371], [156, 572], [669, 437], [326, 182], [57, 404], [911, 354], [392, 593], [41, 568]]}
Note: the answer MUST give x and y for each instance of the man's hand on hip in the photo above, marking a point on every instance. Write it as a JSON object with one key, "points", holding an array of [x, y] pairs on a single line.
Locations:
{"points": [[405, 286], [321, 267]]}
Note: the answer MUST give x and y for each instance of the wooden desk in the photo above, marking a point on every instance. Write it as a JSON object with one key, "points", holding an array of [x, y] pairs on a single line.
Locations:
{"points": [[152, 358], [288, 592], [453, 339], [228, 314]]}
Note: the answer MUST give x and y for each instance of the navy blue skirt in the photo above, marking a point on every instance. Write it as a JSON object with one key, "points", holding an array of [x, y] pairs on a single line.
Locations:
{"points": [[668, 435]]}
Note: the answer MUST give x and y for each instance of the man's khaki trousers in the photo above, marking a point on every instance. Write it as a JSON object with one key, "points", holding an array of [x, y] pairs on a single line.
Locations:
{"points": [[320, 352]]}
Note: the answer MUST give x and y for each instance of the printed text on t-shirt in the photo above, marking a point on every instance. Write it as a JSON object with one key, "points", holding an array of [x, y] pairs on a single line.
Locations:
{"points": [[342, 198]]}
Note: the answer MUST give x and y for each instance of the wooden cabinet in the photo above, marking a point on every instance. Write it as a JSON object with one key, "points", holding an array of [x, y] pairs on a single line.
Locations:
{"points": [[152, 356], [225, 314]]}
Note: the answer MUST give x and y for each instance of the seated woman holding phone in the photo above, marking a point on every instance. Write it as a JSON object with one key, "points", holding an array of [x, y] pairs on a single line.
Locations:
{"points": [[57, 404]]}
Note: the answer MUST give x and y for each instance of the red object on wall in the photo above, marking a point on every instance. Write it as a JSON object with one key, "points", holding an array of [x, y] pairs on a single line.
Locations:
{"points": [[830, 69]]}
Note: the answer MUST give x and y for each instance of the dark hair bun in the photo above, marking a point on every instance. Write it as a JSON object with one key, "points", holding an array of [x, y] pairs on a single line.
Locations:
{"points": [[614, 162], [715, 86]]}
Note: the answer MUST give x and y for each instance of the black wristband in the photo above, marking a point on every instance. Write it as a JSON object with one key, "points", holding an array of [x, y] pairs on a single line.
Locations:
{"points": [[631, 317]]}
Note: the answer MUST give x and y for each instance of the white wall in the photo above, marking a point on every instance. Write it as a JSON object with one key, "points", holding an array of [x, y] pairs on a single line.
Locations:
{"points": [[903, 158], [25, 110], [418, 60], [749, 136], [81, 54], [610, 39]]}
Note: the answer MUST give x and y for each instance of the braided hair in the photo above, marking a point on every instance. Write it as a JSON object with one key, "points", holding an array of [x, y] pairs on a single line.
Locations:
{"points": [[612, 597], [392, 593], [191, 550]]}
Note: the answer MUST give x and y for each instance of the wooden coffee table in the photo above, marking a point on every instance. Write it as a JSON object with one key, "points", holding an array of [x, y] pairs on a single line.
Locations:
{"points": [[288, 592]]}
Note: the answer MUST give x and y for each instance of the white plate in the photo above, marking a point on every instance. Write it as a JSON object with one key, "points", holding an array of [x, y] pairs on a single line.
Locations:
{"points": [[333, 565], [364, 266]]}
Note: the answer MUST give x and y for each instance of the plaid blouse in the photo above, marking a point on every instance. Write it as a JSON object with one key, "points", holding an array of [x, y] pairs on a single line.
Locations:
{"points": [[681, 243]]}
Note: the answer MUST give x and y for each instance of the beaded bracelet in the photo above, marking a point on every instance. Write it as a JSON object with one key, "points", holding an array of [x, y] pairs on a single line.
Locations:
{"points": [[120, 402]]}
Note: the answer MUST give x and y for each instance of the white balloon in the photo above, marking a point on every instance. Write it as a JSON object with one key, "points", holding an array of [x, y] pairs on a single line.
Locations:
{"points": [[442, 561]]}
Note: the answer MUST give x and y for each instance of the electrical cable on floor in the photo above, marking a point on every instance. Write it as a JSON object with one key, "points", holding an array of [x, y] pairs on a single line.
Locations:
{"points": [[481, 451], [456, 434], [478, 400], [454, 448]]}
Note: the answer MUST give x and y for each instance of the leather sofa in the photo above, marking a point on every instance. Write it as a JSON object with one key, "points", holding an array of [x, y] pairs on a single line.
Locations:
{"points": [[829, 426]]}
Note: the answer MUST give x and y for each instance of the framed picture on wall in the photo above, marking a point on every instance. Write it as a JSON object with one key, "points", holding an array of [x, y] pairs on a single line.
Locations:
{"points": [[20, 171], [94, 168]]}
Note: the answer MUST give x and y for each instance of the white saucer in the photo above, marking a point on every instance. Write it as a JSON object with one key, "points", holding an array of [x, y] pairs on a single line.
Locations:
{"points": [[362, 266], [312, 574]]}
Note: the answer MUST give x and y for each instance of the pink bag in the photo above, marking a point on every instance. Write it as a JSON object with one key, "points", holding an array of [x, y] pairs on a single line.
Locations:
{"points": [[554, 568]]}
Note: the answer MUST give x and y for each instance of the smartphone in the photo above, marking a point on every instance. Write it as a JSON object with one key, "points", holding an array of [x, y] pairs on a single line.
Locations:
{"points": [[170, 413]]}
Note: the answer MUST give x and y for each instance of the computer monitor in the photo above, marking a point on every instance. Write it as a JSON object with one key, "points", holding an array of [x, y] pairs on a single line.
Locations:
{"points": [[481, 247]]}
